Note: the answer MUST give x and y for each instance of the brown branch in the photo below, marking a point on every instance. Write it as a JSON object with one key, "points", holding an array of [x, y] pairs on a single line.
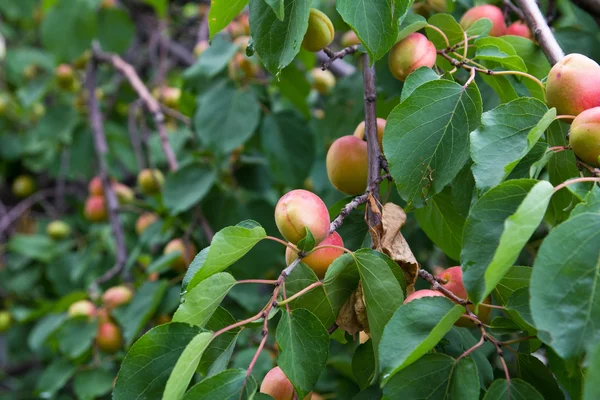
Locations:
{"points": [[340, 68], [150, 102], [176, 114], [337, 55], [541, 31], [516, 10], [101, 148], [134, 134]]}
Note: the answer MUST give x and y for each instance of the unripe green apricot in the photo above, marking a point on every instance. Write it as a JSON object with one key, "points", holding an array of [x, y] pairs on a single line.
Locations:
{"points": [[170, 96], [82, 308], [488, 11], [323, 81], [350, 39], [319, 260], [95, 209], [188, 253], [117, 296], [412, 52], [58, 230], [359, 132], [519, 28], [108, 338], [150, 180], [347, 165], [320, 32], [23, 186], [300, 209], [5, 321], [124, 193], [573, 85], [144, 221], [584, 137]]}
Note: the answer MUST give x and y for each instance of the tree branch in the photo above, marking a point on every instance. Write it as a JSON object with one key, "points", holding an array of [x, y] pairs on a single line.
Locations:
{"points": [[541, 31], [340, 68], [337, 55], [101, 148]]}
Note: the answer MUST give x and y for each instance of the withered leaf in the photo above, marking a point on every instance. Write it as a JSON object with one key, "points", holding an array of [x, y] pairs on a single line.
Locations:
{"points": [[347, 319]]}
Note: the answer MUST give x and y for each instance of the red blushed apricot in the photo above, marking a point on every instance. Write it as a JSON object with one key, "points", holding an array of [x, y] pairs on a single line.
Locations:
{"points": [[320, 32], [585, 136], [300, 209], [412, 52], [95, 187], [321, 259], [359, 132], [422, 293], [350, 39], [144, 221], [488, 11], [103, 315], [95, 209], [277, 385], [573, 85], [108, 338], [347, 165], [117, 296], [188, 253], [519, 28]]}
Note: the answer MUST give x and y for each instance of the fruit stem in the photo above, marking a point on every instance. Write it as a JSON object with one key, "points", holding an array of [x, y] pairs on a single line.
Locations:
{"points": [[523, 74], [265, 281], [576, 180], [300, 293], [517, 340], [331, 246], [283, 242], [438, 30], [565, 117], [491, 306]]}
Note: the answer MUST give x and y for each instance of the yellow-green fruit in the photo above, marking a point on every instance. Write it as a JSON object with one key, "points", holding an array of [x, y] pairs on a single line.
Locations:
{"points": [[39, 110], [359, 132], [124, 193], [320, 31], [82, 308], [108, 338], [347, 165], [58, 230], [323, 81], [117, 296], [300, 209], [5, 321], [170, 96], [150, 180], [82, 60], [585, 136], [242, 67], [4, 103], [320, 260], [410, 53], [65, 76], [144, 221], [188, 253], [23, 186], [350, 39]]}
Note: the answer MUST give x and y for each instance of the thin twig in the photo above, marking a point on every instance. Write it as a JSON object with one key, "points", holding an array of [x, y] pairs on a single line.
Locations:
{"points": [[576, 180], [516, 10], [134, 134], [337, 55], [541, 31], [339, 68], [300, 293]]}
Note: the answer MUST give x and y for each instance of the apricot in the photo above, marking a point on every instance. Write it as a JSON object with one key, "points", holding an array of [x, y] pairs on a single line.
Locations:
{"points": [[241, 67], [454, 283], [300, 209], [347, 165], [170, 96], [163, 319], [58, 230], [95, 209], [320, 31], [359, 132], [150, 180], [488, 11], [95, 187], [117, 296], [65, 76], [277, 385], [108, 4], [103, 315], [82, 308], [412, 52], [144, 221], [108, 338], [82, 60], [200, 48], [585, 136], [23, 186], [422, 293], [321, 259], [188, 253], [573, 85], [236, 29], [5, 321], [519, 28], [124, 193], [350, 39], [323, 81]]}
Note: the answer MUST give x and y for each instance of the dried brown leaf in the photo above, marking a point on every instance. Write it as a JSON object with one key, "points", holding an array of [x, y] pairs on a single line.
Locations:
{"points": [[347, 319]]}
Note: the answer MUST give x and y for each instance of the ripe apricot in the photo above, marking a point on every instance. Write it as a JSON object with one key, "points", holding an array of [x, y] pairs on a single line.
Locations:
{"points": [[412, 52], [95, 187], [323, 81], [584, 137], [320, 31], [95, 209], [300, 209], [359, 132], [65, 76], [82, 308], [108, 338], [350, 39], [277, 385], [188, 253], [124, 193], [320, 259], [117, 296], [422, 293], [144, 221], [488, 11], [347, 165], [519, 28], [150, 180]]}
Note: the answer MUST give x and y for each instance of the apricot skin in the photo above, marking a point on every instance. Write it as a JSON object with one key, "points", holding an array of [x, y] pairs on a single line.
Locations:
{"points": [[323, 81], [108, 338], [321, 259], [82, 308], [58, 230], [95, 187], [573, 85], [150, 180], [422, 293], [300, 209], [412, 52], [350, 39], [95, 209], [488, 11], [144, 221], [5, 321], [347, 165], [585, 136], [277, 385], [117, 296], [519, 28], [188, 253], [23, 186], [359, 132], [320, 31]]}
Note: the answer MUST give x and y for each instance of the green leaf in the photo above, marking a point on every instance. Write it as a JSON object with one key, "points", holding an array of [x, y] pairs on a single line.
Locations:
{"points": [[569, 373], [43, 329], [315, 301], [506, 135], [411, 23], [442, 223], [294, 86], [222, 13], [76, 336], [72, 22], [277, 42], [160, 7], [136, 314], [498, 50], [533, 371], [148, 364], [228, 245], [202, 301], [417, 146], [214, 59], [457, 341], [187, 186], [591, 389], [227, 385], [163, 262], [37, 247], [54, 377], [517, 389], [341, 280], [185, 367], [375, 22], [515, 279], [499, 225], [449, 26], [278, 8], [417, 78], [363, 364], [307, 243], [93, 383], [289, 147], [414, 330], [304, 344], [435, 376], [115, 29], [218, 353], [194, 267], [565, 293], [519, 302], [226, 117]]}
